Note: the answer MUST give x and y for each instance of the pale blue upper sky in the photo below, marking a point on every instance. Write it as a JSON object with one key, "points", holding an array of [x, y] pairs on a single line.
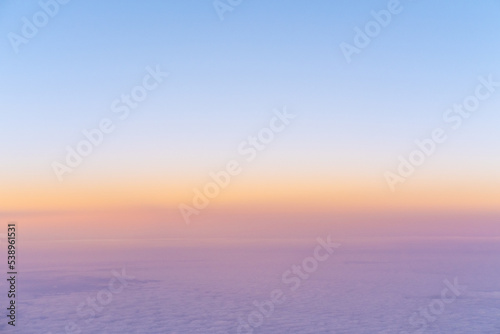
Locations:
{"points": [[227, 76]]}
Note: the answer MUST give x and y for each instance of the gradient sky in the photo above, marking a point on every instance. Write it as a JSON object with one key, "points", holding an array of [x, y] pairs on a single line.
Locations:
{"points": [[353, 120]]}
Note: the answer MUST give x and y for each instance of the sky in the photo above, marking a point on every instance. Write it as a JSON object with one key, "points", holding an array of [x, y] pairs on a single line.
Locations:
{"points": [[226, 80]]}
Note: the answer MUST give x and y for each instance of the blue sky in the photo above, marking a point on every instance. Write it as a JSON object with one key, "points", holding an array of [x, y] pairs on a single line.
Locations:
{"points": [[227, 76]]}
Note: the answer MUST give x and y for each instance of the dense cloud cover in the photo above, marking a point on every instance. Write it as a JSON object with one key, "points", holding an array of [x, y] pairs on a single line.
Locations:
{"points": [[365, 287]]}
